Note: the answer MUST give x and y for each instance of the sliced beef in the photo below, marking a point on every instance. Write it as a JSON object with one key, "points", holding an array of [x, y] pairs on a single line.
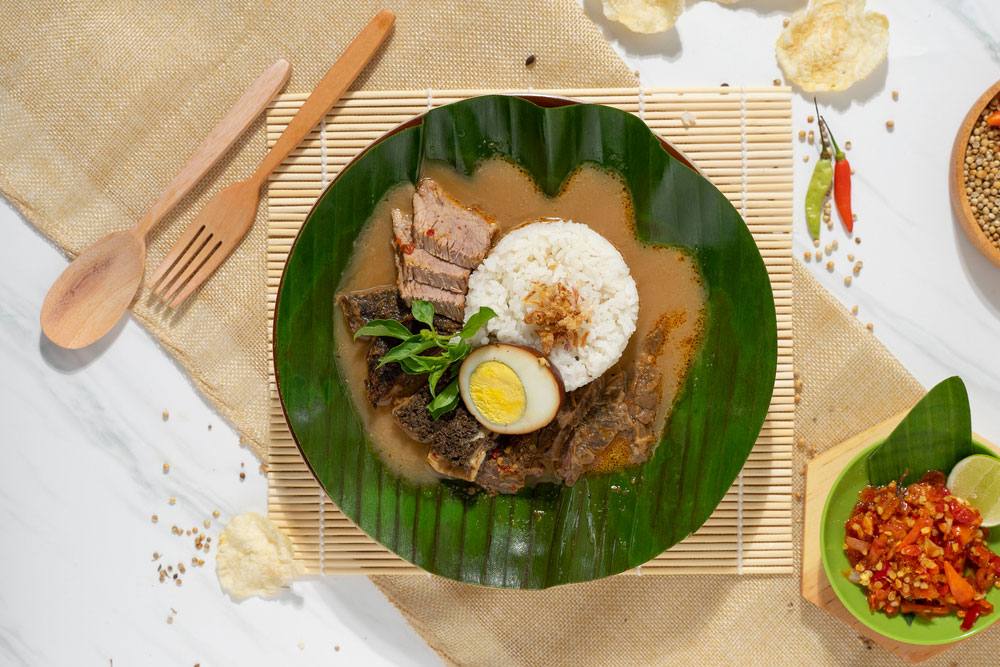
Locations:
{"points": [[448, 304], [417, 265], [384, 385], [515, 462], [448, 230], [458, 444], [375, 303]]}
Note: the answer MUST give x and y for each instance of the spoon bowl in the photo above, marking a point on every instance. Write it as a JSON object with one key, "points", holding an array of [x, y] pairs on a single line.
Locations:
{"points": [[94, 291]]}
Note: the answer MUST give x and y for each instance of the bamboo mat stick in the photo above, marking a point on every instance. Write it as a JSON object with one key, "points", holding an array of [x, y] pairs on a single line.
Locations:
{"points": [[740, 139]]}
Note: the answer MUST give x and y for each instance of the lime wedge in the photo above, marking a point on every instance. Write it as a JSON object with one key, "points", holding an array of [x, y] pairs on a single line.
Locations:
{"points": [[977, 480]]}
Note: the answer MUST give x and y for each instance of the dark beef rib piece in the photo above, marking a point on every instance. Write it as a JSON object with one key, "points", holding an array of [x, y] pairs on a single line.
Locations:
{"points": [[384, 385], [514, 462], [458, 444], [448, 230], [384, 303], [375, 303]]}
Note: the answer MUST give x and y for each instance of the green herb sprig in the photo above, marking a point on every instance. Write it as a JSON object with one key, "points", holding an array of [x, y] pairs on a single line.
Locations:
{"points": [[444, 351]]}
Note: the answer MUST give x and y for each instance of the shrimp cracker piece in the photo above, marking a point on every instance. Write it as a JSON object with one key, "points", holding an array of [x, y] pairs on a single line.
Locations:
{"points": [[832, 44]]}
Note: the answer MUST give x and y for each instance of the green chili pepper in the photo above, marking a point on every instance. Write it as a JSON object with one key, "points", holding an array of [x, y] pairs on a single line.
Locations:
{"points": [[819, 185]]}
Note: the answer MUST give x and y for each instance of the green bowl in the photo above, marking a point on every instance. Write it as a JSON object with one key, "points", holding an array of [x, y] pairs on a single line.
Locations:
{"points": [[836, 511]]}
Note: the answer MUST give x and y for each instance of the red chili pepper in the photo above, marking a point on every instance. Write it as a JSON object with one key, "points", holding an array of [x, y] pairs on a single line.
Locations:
{"points": [[993, 119], [971, 614], [962, 513], [841, 180]]}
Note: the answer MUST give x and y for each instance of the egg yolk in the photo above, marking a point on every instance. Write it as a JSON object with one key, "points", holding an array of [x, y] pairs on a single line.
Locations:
{"points": [[497, 392]]}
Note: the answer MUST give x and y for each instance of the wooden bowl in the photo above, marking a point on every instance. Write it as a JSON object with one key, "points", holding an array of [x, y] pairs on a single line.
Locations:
{"points": [[959, 200]]}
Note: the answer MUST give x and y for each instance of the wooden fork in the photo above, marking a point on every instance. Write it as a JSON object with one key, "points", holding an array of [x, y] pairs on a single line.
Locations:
{"points": [[228, 216]]}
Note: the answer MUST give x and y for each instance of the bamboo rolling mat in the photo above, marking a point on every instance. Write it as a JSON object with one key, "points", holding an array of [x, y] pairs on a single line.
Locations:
{"points": [[740, 138]]}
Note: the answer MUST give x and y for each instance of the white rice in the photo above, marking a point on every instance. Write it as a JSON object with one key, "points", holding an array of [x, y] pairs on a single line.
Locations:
{"points": [[578, 257]]}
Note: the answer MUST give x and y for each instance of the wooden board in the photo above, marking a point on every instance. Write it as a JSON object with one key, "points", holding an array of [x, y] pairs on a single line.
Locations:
{"points": [[821, 473], [740, 139]]}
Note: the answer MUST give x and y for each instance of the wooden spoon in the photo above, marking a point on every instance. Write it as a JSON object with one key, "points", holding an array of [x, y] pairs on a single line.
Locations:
{"points": [[93, 292]]}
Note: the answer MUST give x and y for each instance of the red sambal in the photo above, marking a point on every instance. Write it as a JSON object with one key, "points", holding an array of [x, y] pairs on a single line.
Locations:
{"points": [[918, 549]]}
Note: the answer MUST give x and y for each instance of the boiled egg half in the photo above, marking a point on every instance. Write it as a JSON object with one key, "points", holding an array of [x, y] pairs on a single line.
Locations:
{"points": [[509, 388]]}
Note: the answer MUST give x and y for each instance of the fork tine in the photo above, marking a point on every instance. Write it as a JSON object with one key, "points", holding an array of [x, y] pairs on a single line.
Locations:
{"points": [[181, 265], [207, 268], [168, 268], [197, 259]]}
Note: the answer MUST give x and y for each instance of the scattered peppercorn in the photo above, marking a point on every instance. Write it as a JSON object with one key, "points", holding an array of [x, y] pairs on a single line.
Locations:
{"points": [[895, 96], [890, 125], [243, 476], [166, 415], [154, 518], [166, 468]]}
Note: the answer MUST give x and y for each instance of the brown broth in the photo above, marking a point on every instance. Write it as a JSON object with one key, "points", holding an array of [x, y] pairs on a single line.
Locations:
{"points": [[667, 279]]}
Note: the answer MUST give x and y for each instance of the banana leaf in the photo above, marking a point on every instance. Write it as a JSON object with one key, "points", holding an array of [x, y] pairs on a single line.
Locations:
{"points": [[935, 435], [549, 534]]}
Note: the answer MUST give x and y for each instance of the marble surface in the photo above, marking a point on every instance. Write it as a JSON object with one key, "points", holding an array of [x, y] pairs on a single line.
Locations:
{"points": [[85, 439]]}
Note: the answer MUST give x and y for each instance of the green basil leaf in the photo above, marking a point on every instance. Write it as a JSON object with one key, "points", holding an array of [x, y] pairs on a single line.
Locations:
{"points": [[458, 351], [414, 366], [434, 377], [476, 322], [389, 328], [444, 402], [408, 348], [423, 311]]}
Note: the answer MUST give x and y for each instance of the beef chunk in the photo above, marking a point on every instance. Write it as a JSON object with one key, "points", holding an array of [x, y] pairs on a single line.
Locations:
{"points": [[458, 444], [606, 417], [448, 230], [376, 303], [515, 462], [384, 303], [417, 265], [619, 409], [385, 384]]}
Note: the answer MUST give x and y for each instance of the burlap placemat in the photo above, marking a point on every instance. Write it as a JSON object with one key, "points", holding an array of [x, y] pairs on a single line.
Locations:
{"points": [[102, 102]]}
